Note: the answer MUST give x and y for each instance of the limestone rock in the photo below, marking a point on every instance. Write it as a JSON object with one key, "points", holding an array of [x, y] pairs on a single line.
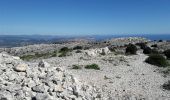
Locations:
{"points": [[98, 51], [21, 67], [58, 88], [39, 89], [39, 81]]}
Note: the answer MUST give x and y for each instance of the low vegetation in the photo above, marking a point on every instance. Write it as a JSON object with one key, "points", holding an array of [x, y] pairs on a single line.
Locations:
{"points": [[76, 67], [39, 55], [166, 71], [157, 59], [154, 51], [64, 49], [112, 49], [78, 51], [28, 57], [142, 45], [160, 41], [78, 48], [166, 86], [147, 50], [64, 52], [92, 66], [167, 53], [154, 45], [131, 49]]}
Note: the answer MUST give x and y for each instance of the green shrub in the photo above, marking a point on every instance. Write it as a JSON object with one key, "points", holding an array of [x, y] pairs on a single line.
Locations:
{"points": [[86, 47], [131, 49], [64, 49], [78, 51], [63, 54], [166, 86], [160, 41], [156, 59], [27, 57], [92, 66], [167, 53], [78, 47], [147, 50], [34, 56], [154, 45], [166, 71], [39, 55], [154, 51], [76, 67], [142, 45], [112, 49], [54, 55]]}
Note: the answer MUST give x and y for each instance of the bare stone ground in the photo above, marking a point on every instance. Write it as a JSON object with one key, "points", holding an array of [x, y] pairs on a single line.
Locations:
{"points": [[120, 77]]}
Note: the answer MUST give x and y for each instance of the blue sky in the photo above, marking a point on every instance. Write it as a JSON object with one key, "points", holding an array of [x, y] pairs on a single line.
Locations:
{"points": [[84, 17]]}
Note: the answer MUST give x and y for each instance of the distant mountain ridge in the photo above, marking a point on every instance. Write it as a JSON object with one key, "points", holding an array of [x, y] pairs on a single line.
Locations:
{"points": [[23, 40]]}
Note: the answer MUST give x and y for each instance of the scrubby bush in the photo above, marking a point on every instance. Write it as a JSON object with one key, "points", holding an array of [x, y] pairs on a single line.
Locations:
{"points": [[86, 47], [154, 45], [76, 67], [35, 56], [131, 49], [64, 49], [167, 53], [160, 41], [63, 54], [166, 71], [166, 86], [77, 47], [92, 66], [157, 59], [154, 51], [54, 55], [112, 49], [78, 51], [27, 57], [142, 45], [147, 50]]}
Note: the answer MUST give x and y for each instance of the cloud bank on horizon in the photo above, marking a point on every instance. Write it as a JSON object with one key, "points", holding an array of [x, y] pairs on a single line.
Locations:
{"points": [[84, 17]]}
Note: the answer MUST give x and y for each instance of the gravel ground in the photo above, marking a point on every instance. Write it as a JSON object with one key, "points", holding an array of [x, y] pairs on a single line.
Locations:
{"points": [[120, 77]]}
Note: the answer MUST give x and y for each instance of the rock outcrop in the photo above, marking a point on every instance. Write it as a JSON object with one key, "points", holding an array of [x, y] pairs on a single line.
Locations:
{"points": [[124, 41], [32, 81], [97, 51]]}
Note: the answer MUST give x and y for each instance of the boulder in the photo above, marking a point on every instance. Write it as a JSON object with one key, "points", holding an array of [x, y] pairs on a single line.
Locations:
{"points": [[95, 52], [39, 89], [41, 96], [21, 67], [105, 50], [90, 53], [58, 88]]}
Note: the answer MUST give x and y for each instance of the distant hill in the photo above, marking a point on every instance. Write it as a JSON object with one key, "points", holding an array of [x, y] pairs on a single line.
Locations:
{"points": [[23, 40]]}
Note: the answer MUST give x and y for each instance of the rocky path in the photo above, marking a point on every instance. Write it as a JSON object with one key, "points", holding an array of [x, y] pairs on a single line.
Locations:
{"points": [[129, 79], [119, 78]]}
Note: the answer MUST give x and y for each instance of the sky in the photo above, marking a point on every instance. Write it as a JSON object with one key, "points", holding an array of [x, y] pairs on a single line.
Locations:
{"points": [[84, 17]]}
